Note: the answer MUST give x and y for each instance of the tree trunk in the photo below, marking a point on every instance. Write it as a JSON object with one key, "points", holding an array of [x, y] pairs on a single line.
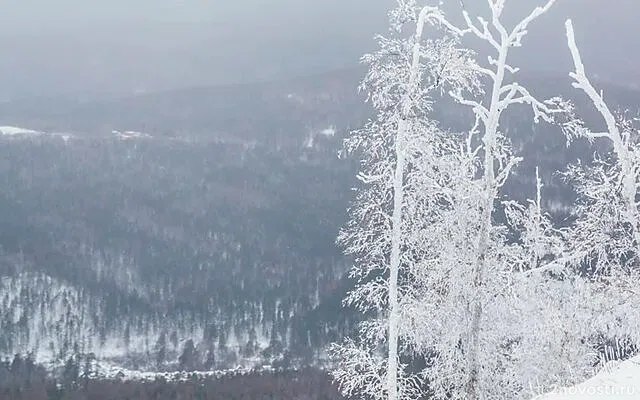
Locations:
{"points": [[396, 219], [398, 199], [479, 272]]}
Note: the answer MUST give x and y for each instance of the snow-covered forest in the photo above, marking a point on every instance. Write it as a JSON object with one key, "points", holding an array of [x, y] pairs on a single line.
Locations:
{"points": [[468, 292], [455, 217]]}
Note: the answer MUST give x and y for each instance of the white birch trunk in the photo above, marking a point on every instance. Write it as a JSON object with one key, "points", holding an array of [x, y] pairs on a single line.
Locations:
{"points": [[489, 138], [396, 222], [490, 116], [394, 267]]}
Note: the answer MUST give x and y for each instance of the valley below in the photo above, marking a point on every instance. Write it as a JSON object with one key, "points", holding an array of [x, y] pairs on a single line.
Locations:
{"points": [[195, 230]]}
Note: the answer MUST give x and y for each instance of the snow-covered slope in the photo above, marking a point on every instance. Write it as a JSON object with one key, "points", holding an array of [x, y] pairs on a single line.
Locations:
{"points": [[128, 250], [619, 382], [53, 320]]}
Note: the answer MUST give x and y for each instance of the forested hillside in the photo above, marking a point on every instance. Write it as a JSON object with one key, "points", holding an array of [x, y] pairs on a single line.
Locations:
{"points": [[111, 245], [196, 229]]}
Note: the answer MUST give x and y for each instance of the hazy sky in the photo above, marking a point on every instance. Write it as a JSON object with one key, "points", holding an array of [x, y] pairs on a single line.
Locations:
{"points": [[145, 45]]}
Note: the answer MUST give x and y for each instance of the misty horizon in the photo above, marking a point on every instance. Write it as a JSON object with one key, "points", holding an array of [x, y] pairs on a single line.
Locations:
{"points": [[112, 47]]}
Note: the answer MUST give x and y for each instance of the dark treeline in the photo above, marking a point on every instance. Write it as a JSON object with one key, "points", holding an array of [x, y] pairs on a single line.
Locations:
{"points": [[22, 379]]}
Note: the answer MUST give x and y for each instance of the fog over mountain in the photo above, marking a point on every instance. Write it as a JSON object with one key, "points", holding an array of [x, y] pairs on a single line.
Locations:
{"points": [[117, 46]]}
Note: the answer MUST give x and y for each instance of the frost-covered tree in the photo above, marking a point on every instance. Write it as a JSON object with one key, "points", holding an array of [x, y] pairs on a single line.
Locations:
{"points": [[493, 303], [606, 234], [533, 325], [482, 254], [483, 288], [609, 230], [500, 307], [401, 153]]}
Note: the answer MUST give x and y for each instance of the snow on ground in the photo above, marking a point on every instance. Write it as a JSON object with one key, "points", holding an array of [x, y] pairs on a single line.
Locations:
{"points": [[619, 382], [112, 372], [131, 134], [17, 131], [63, 135], [295, 98], [330, 131]]}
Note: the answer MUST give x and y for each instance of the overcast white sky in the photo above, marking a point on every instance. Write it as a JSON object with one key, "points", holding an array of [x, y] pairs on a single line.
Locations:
{"points": [[51, 46]]}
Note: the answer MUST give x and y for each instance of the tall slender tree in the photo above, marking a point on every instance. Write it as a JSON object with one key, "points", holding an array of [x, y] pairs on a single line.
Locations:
{"points": [[610, 187], [606, 234], [398, 143]]}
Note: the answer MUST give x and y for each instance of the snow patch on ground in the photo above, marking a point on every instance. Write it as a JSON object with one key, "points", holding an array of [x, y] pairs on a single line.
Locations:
{"points": [[17, 131], [295, 98], [101, 370], [131, 135], [617, 382], [64, 136], [330, 131]]}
